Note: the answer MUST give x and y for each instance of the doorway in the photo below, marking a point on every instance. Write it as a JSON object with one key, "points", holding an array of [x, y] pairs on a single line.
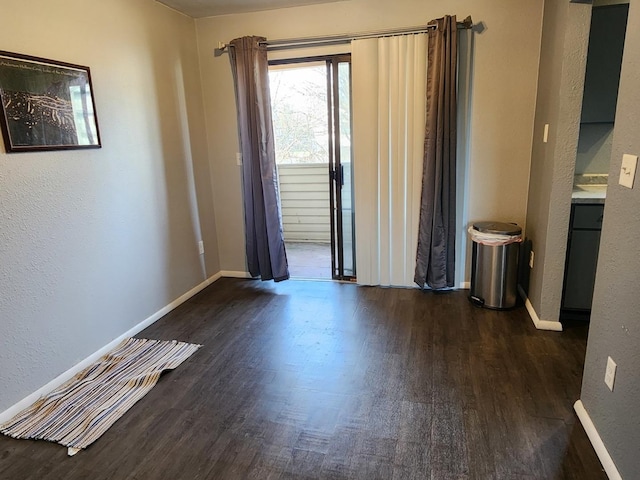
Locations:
{"points": [[311, 105], [602, 77]]}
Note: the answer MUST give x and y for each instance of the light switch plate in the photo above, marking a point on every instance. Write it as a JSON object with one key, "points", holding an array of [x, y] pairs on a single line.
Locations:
{"points": [[610, 374], [238, 158], [628, 170]]}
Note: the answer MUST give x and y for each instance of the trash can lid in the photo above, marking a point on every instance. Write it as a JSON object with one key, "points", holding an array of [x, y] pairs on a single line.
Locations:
{"points": [[498, 228]]}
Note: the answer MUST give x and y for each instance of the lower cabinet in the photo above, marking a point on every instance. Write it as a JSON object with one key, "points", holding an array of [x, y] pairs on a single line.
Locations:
{"points": [[582, 256]]}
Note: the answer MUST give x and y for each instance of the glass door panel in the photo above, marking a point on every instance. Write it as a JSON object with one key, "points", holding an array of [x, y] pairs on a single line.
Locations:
{"points": [[346, 169], [311, 110]]}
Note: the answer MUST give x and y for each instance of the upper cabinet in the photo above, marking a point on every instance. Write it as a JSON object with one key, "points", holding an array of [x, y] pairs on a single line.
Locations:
{"points": [[604, 60]]}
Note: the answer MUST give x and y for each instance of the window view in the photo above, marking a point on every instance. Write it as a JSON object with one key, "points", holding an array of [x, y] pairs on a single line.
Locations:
{"points": [[299, 105]]}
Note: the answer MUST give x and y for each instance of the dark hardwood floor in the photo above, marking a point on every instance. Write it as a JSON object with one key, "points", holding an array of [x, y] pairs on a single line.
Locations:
{"points": [[322, 380]]}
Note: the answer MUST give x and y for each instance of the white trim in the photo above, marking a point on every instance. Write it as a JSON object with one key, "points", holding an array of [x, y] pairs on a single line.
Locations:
{"points": [[598, 445], [234, 274], [213, 278], [465, 285], [62, 378], [554, 326]]}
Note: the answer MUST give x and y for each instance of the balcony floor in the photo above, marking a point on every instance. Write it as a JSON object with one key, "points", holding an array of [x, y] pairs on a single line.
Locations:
{"points": [[309, 260]]}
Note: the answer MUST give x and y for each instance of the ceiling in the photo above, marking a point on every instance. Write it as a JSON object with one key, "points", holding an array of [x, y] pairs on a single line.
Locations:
{"points": [[209, 8]]}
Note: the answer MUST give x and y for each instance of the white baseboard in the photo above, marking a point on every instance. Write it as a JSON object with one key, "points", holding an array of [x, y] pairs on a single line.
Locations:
{"points": [[598, 445], [234, 274], [537, 322], [212, 279], [62, 378]]}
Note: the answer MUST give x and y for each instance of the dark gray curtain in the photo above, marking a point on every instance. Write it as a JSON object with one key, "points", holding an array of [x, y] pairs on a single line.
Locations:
{"points": [[266, 255], [435, 259]]}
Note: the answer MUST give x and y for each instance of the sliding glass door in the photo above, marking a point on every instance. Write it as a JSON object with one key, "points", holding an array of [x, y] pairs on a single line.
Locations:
{"points": [[340, 166], [311, 101]]}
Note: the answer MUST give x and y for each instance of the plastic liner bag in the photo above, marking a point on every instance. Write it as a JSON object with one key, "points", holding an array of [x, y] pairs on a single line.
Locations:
{"points": [[493, 239]]}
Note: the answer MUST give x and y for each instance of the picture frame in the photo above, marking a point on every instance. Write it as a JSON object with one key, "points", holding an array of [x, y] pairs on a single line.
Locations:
{"points": [[46, 105]]}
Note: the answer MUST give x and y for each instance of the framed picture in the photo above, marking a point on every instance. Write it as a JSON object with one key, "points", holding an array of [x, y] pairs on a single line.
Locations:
{"points": [[46, 105]]}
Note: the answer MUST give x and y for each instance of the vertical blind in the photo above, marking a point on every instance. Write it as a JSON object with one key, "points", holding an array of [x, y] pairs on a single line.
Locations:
{"points": [[389, 103]]}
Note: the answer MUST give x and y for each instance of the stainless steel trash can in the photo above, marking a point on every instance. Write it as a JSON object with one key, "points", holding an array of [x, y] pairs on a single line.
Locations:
{"points": [[494, 264]]}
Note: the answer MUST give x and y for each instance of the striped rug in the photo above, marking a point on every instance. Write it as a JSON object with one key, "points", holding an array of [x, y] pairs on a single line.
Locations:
{"points": [[77, 413]]}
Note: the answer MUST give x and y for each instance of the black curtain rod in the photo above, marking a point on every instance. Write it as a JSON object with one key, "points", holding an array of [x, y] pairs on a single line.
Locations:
{"points": [[284, 44]]}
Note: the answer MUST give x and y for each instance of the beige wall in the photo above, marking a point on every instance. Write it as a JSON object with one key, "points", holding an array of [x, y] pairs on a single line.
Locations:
{"points": [[93, 242], [503, 87]]}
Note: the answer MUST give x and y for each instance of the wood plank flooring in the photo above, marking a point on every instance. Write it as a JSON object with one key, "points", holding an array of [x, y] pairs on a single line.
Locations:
{"points": [[320, 380]]}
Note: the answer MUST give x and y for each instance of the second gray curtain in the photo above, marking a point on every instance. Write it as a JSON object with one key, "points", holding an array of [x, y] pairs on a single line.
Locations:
{"points": [[435, 258], [266, 255]]}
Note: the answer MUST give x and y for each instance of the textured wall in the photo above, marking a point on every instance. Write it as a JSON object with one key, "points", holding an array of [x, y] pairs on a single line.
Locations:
{"points": [[565, 34], [615, 318], [93, 242], [503, 83]]}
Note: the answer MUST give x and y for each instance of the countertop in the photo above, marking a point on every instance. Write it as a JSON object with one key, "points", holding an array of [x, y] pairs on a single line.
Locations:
{"points": [[589, 194]]}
